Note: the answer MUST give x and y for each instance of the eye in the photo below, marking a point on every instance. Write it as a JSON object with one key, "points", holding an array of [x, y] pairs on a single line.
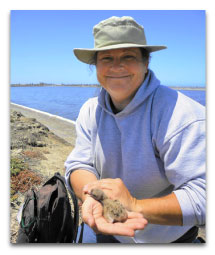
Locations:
{"points": [[129, 57], [106, 59]]}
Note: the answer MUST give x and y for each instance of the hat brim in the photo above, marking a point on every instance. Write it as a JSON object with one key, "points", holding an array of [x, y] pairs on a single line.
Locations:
{"points": [[86, 55]]}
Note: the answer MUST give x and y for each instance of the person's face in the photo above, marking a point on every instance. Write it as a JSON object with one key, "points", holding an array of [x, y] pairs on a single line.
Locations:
{"points": [[121, 72]]}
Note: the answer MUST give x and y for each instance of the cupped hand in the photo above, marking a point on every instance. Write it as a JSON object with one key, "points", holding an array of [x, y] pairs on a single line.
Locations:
{"points": [[92, 214]]}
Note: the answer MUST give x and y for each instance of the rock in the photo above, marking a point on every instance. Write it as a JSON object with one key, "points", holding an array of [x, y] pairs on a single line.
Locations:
{"points": [[27, 132], [40, 144]]}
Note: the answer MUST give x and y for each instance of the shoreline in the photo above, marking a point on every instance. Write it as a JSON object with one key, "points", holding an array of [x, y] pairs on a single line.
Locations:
{"points": [[62, 127], [96, 85]]}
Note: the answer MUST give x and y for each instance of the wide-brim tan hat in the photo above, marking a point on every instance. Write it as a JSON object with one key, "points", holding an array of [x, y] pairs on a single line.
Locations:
{"points": [[115, 33]]}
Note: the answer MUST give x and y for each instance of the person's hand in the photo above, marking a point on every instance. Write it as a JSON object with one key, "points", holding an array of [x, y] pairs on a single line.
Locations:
{"points": [[92, 214], [114, 189]]}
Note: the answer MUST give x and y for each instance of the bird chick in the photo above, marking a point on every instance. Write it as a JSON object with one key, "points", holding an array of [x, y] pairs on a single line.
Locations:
{"points": [[113, 210]]}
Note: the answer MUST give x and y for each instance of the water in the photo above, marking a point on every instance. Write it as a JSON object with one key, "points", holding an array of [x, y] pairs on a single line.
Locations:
{"points": [[197, 95], [67, 101], [62, 101]]}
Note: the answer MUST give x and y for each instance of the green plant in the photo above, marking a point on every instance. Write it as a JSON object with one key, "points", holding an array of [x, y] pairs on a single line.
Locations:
{"points": [[16, 165]]}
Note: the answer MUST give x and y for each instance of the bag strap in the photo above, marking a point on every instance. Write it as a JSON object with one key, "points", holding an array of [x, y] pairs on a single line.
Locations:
{"points": [[76, 210], [81, 234], [76, 217], [74, 199]]}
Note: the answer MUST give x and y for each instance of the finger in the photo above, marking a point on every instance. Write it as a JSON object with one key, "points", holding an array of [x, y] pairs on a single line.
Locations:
{"points": [[107, 183], [136, 224], [80, 203], [127, 228], [97, 185], [114, 229], [88, 219], [134, 215], [89, 186], [136, 220], [87, 215]]}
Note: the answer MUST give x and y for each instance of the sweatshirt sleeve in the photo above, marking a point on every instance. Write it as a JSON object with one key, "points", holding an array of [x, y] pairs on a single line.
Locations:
{"points": [[183, 155], [81, 156]]}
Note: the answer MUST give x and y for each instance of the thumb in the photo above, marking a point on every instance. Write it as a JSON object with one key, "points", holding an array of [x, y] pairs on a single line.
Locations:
{"points": [[91, 222], [87, 214]]}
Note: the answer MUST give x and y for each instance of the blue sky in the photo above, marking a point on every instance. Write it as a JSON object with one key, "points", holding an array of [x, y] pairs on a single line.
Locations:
{"points": [[42, 42]]}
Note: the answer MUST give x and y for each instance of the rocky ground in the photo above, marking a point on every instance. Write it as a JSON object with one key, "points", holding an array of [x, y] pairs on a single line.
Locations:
{"points": [[36, 154]]}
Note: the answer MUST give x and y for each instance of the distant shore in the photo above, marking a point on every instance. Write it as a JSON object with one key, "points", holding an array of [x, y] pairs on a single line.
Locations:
{"points": [[55, 85], [188, 88], [94, 85]]}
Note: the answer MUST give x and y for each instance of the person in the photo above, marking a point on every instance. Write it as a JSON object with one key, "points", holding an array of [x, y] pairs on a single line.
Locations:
{"points": [[141, 142]]}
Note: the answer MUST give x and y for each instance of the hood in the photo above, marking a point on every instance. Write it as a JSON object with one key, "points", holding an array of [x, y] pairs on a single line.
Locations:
{"points": [[147, 88]]}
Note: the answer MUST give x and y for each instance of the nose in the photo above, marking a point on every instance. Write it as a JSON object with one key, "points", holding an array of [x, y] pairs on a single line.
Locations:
{"points": [[117, 64]]}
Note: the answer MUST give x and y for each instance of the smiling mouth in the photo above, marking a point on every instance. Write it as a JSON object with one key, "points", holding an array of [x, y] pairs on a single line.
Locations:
{"points": [[118, 77]]}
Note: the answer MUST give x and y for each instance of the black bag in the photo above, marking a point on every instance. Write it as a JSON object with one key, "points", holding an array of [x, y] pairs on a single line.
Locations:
{"points": [[46, 215]]}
